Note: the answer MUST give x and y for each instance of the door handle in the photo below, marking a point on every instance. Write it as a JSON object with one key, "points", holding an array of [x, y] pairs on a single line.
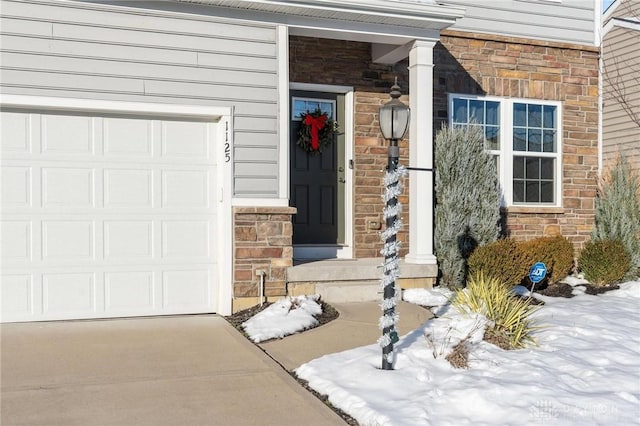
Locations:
{"points": [[341, 180]]}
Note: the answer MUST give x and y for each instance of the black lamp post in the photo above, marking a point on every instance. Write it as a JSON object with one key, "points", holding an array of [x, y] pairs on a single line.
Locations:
{"points": [[394, 121]]}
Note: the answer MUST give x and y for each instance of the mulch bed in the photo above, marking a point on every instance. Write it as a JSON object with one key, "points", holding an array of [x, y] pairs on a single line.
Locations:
{"points": [[565, 290]]}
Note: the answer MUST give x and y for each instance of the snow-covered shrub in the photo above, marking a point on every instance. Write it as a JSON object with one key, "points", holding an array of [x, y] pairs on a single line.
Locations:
{"points": [[604, 262], [556, 253], [502, 259], [467, 200], [618, 211], [508, 313]]}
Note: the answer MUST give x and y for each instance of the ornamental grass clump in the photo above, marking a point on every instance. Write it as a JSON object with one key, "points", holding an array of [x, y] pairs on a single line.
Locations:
{"points": [[604, 262], [503, 260], [508, 313]]}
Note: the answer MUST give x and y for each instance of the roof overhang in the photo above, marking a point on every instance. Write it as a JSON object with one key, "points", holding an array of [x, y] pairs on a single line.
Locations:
{"points": [[391, 22]]}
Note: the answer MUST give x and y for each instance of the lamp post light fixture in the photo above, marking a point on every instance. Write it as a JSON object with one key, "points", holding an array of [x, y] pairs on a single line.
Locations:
{"points": [[394, 121]]}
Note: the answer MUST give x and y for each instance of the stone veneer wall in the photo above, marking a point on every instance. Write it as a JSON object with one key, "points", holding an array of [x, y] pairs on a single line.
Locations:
{"points": [[262, 240], [470, 64], [533, 69], [348, 63]]}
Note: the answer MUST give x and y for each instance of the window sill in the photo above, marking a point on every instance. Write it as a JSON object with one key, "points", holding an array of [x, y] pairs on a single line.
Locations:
{"points": [[533, 210]]}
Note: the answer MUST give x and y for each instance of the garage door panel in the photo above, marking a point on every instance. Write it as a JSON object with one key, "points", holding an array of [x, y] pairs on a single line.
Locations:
{"points": [[106, 216], [16, 240], [124, 240], [186, 140], [16, 186], [69, 294], [68, 239], [17, 295], [186, 239], [185, 188], [186, 289], [68, 187], [67, 134], [128, 188], [15, 132], [126, 137], [130, 292]]}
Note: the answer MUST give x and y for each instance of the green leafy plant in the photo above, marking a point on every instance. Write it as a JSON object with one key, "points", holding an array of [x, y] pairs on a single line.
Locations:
{"points": [[467, 200], [556, 253], [502, 259], [604, 262], [618, 211], [509, 314]]}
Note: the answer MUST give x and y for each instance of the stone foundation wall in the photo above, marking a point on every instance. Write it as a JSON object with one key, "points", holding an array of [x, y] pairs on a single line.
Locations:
{"points": [[262, 241]]}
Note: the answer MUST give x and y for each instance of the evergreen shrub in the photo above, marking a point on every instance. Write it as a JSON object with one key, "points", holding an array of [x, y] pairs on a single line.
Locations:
{"points": [[503, 260], [467, 200], [556, 253], [604, 262], [618, 211]]}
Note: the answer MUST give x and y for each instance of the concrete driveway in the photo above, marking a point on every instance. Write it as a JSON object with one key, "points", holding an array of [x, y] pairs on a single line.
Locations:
{"points": [[190, 370]]}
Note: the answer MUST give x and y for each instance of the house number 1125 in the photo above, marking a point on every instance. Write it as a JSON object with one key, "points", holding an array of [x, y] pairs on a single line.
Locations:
{"points": [[227, 145]]}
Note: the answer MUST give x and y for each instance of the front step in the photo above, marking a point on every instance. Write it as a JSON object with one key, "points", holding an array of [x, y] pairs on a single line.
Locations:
{"points": [[352, 280]]}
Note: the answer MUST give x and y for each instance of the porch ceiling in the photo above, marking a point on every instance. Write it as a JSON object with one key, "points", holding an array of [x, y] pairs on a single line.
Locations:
{"points": [[379, 21]]}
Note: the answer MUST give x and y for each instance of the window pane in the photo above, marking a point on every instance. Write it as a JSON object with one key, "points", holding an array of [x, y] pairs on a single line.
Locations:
{"points": [[533, 168], [549, 141], [476, 111], [460, 111], [519, 139], [535, 140], [299, 108], [518, 191], [492, 134], [546, 168], [493, 112], [532, 192], [546, 192], [535, 115], [518, 167], [549, 117], [520, 115]]}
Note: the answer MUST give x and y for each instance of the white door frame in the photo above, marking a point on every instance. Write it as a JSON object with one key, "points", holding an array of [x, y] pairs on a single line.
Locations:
{"points": [[220, 115], [332, 251]]}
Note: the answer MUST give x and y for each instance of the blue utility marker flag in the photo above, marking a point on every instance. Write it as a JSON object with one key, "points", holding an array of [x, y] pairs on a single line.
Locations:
{"points": [[537, 272]]}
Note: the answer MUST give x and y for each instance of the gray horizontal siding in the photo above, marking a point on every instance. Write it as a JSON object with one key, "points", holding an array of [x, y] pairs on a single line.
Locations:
{"points": [[89, 51], [570, 21], [622, 69]]}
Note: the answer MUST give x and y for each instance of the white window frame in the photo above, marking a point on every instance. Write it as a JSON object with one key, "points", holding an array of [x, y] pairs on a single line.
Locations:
{"points": [[506, 152]]}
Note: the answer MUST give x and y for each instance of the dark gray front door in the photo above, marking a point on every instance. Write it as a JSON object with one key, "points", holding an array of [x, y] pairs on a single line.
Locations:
{"points": [[317, 180]]}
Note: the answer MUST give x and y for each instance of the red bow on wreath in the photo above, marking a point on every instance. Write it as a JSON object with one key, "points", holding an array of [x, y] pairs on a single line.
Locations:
{"points": [[315, 125]]}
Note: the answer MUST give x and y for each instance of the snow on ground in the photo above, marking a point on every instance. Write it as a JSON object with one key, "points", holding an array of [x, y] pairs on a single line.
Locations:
{"points": [[585, 371], [286, 316]]}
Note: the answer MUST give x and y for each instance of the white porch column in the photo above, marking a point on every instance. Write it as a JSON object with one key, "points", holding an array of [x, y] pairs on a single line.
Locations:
{"points": [[421, 194]]}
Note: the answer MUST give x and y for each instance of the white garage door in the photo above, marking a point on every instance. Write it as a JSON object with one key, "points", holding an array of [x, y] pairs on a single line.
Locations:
{"points": [[106, 216]]}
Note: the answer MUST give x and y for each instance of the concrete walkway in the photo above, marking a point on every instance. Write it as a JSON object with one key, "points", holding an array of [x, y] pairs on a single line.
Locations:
{"points": [[192, 370], [356, 326]]}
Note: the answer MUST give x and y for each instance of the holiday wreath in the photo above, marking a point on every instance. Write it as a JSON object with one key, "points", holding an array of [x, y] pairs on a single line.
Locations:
{"points": [[316, 132]]}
